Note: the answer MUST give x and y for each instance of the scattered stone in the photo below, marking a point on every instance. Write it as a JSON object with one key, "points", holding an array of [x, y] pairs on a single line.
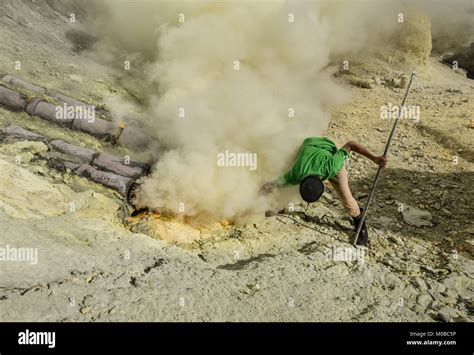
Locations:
{"points": [[424, 300], [446, 212], [456, 91], [446, 314], [470, 230], [76, 78], [420, 283], [339, 268], [412, 269], [85, 310], [419, 309], [252, 289], [450, 297], [89, 279], [459, 284], [360, 82], [56, 164], [343, 224], [327, 197], [387, 262], [143, 228], [436, 286], [416, 217], [384, 221], [395, 240], [124, 211]]}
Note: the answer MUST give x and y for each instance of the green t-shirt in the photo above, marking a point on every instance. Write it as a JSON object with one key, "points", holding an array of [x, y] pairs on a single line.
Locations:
{"points": [[317, 156]]}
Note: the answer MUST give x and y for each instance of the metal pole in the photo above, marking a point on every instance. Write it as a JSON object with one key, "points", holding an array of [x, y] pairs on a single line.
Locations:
{"points": [[369, 199]]}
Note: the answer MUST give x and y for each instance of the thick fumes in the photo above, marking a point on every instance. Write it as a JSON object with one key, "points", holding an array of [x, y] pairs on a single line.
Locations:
{"points": [[243, 80]]}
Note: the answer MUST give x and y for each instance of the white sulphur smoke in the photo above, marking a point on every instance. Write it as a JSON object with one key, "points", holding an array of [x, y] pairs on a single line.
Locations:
{"points": [[235, 78], [238, 77]]}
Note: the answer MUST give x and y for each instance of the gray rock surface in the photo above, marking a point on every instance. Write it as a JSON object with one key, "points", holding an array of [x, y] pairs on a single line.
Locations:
{"points": [[416, 217]]}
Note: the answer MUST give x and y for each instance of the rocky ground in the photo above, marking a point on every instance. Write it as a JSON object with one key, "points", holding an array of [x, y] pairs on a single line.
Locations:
{"points": [[95, 263]]}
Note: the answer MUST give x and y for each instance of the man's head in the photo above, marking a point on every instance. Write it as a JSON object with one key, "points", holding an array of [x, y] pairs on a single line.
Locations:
{"points": [[311, 188]]}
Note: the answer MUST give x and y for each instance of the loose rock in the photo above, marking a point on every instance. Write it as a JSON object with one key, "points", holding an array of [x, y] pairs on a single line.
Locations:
{"points": [[416, 217]]}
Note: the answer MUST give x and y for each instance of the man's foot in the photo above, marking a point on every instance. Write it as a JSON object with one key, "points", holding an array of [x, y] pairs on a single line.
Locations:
{"points": [[363, 239]]}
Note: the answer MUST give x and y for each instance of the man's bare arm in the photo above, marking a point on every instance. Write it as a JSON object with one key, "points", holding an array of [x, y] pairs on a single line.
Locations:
{"points": [[356, 147]]}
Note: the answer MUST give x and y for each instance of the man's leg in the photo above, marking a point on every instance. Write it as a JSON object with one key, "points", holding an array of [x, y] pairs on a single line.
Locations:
{"points": [[341, 184]]}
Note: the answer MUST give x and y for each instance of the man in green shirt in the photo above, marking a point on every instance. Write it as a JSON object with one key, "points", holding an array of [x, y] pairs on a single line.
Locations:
{"points": [[318, 160]]}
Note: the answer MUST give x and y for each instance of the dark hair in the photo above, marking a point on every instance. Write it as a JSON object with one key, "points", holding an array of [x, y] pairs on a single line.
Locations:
{"points": [[311, 188]]}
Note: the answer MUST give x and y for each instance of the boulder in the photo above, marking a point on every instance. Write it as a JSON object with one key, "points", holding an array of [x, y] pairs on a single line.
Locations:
{"points": [[424, 300], [416, 217], [360, 82], [384, 221]]}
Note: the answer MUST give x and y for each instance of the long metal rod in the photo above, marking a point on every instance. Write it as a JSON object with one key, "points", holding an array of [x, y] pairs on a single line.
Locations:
{"points": [[376, 180]]}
